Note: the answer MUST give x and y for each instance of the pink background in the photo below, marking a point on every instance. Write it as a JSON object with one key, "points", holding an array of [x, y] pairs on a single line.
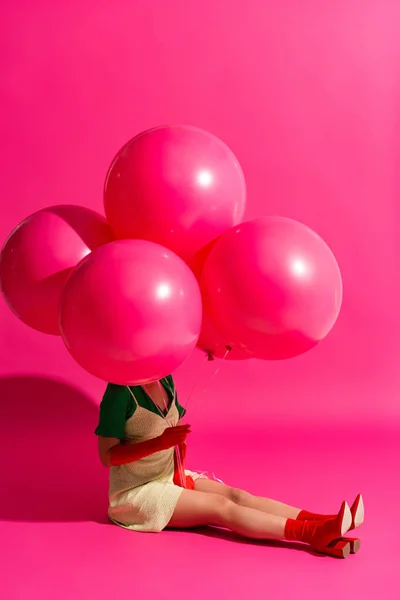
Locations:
{"points": [[306, 93]]}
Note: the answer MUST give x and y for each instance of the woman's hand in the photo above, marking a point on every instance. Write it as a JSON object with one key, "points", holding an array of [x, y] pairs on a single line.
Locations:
{"points": [[173, 436]]}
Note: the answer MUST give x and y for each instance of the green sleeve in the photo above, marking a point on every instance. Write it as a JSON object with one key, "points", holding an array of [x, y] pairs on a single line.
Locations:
{"points": [[116, 407], [171, 386]]}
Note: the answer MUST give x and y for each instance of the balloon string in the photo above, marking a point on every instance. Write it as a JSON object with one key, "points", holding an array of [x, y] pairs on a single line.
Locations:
{"points": [[209, 358], [178, 453], [177, 450], [197, 379]]}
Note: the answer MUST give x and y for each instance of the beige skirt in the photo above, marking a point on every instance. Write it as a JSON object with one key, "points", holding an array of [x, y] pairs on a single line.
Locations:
{"points": [[148, 507]]}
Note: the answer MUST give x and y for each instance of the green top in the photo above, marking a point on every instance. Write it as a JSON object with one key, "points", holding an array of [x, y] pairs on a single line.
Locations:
{"points": [[118, 406]]}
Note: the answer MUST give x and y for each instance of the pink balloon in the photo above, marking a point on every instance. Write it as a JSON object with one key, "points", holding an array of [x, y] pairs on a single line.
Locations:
{"points": [[210, 340], [178, 186], [273, 287], [39, 255], [130, 313]]}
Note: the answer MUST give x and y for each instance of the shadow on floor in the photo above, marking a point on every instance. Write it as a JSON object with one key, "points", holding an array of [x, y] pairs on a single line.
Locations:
{"points": [[49, 466], [229, 536]]}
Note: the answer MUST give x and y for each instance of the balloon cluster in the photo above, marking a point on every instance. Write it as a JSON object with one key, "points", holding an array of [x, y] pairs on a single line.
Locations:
{"points": [[172, 266]]}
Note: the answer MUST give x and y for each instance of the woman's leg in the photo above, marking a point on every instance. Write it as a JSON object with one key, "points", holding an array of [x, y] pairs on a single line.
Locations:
{"points": [[195, 508], [243, 498]]}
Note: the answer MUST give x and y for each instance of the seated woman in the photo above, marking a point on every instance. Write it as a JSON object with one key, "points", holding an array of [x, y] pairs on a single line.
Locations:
{"points": [[140, 436]]}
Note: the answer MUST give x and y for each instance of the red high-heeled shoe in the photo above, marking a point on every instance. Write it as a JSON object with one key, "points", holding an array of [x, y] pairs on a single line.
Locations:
{"points": [[356, 509], [353, 543], [323, 535], [357, 519], [357, 512]]}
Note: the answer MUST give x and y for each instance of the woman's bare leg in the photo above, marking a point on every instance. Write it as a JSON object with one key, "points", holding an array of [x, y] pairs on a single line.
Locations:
{"points": [[195, 508], [243, 498]]}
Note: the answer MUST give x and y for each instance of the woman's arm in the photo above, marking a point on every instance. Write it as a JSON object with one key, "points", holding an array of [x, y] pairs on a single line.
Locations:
{"points": [[104, 447], [113, 454]]}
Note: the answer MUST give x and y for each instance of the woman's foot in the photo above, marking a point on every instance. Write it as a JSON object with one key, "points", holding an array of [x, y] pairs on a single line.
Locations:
{"points": [[357, 514], [357, 519], [320, 534]]}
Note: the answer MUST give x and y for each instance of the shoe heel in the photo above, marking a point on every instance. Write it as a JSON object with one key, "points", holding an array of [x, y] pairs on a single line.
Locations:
{"points": [[338, 548], [354, 544]]}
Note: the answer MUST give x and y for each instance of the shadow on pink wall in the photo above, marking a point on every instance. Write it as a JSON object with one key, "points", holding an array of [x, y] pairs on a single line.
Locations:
{"points": [[51, 471]]}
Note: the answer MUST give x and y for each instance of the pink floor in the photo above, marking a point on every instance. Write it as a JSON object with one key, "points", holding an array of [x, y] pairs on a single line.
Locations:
{"points": [[56, 542]]}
